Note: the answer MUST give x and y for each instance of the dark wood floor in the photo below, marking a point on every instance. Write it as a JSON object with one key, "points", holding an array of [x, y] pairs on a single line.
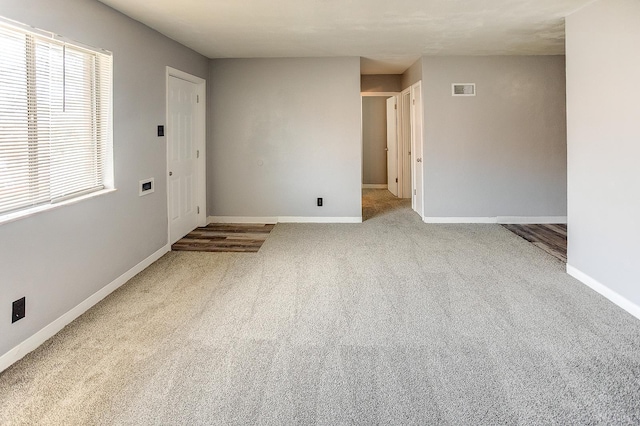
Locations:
{"points": [[550, 238], [225, 238]]}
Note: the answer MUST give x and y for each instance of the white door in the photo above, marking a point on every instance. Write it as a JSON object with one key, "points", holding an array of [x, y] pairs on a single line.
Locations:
{"points": [[405, 124], [392, 146], [181, 132], [417, 202]]}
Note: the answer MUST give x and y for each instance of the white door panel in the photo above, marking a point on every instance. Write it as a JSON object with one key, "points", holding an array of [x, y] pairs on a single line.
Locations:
{"points": [[174, 191], [182, 157], [416, 148], [405, 123], [188, 202]]}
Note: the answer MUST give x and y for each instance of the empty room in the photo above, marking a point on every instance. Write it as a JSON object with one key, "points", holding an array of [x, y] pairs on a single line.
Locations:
{"points": [[319, 212]]}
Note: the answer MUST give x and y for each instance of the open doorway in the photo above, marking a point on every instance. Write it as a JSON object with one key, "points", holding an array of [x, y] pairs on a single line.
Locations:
{"points": [[378, 126], [386, 150]]}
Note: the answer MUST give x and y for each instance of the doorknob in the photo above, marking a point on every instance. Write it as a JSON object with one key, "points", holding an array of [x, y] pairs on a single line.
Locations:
{"points": [[386, 149], [170, 173]]}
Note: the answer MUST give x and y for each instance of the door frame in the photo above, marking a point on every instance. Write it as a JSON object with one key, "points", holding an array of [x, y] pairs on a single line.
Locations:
{"points": [[201, 129], [404, 175], [393, 135], [417, 140], [374, 94]]}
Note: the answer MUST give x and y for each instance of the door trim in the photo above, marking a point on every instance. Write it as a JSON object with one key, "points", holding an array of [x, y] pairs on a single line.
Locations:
{"points": [[415, 141], [386, 94], [201, 129], [371, 94], [404, 141], [397, 149]]}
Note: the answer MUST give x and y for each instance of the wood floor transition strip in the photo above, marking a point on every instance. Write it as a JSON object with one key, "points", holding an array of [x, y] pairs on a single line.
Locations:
{"points": [[238, 238], [551, 238]]}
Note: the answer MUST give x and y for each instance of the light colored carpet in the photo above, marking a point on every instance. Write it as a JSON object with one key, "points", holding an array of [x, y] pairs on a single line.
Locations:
{"points": [[387, 322]]}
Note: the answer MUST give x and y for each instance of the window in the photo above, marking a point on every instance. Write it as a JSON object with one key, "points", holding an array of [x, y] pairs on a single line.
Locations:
{"points": [[55, 120]]}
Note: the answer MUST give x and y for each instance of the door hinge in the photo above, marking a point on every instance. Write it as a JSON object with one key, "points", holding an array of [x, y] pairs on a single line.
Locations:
{"points": [[198, 209], [414, 192], [395, 106], [396, 180], [197, 99], [198, 153]]}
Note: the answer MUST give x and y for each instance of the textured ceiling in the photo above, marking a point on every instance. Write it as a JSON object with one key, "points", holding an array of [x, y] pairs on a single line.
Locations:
{"points": [[388, 35]]}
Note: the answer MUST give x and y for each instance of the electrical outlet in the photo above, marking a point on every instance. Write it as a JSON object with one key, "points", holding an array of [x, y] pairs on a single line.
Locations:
{"points": [[319, 201], [19, 310], [160, 131]]}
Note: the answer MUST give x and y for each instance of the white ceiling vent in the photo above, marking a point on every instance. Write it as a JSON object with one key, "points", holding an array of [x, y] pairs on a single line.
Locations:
{"points": [[463, 89]]}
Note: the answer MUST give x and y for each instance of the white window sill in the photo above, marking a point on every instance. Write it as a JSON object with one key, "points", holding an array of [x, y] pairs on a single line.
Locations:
{"points": [[11, 217]]}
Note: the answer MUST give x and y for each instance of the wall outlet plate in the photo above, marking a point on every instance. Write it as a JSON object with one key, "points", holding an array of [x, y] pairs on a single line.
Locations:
{"points": [[160, 130], [146, 187], [319, 201], [19, 309]]}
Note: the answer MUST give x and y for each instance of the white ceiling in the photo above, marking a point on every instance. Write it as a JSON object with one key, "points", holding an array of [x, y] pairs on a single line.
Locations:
{"points": [[388, 35]]}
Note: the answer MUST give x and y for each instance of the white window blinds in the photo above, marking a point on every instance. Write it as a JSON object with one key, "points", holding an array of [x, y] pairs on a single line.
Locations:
{"points": [[55, 120]]}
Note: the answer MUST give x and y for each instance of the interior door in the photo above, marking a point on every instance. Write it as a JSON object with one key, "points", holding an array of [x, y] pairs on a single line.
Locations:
{"points": [[405, 123], [392, 146], [181, 134], [417, 202]]}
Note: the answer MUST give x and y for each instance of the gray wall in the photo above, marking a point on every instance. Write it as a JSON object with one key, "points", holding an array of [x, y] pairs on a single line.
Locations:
{"points": [[502, 152], [282, 133], [374, 139], [381, 83], [603, 66], [60, 257], [412, 75]]}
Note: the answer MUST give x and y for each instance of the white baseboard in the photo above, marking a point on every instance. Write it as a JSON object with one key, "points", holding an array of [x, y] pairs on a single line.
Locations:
{"points": [[242, 219], [50, 330], [459, 220], [605, 291], [499, 219], [524, 220], [283, 219], [375, 186], [304, 219]]}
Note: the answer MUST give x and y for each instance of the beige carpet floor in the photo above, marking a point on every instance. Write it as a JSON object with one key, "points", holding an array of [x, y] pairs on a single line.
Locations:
{"points": [[391, 321]]}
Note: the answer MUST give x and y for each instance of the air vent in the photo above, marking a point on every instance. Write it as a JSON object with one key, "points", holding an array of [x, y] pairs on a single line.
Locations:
{"points": [[463, 89]]}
